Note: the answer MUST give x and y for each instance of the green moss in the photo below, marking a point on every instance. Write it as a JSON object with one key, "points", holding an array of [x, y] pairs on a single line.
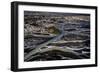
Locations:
{"points": [[54, 30]]}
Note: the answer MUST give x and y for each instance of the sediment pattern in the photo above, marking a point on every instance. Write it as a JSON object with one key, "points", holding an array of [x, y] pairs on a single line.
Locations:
{"points": [[56, 36]]}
